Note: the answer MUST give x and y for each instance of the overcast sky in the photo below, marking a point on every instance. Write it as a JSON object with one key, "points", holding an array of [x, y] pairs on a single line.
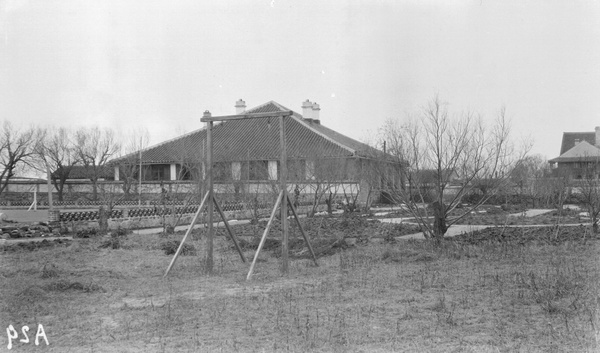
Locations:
{"points": [[162, 63]]}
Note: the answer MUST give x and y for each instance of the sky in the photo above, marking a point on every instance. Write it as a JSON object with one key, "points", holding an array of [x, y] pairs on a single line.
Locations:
{"points": [[160, 64]]}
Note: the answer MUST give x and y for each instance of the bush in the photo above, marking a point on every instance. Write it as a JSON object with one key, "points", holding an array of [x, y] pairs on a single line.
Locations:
{"points": [[121, 232], [86, 233], [113, 243], [170, 247]]}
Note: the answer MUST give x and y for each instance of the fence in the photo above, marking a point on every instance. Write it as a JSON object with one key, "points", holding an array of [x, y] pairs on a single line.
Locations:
{"points": [[159, 211]]}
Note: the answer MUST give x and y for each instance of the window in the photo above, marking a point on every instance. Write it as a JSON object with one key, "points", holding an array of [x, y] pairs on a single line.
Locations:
{"points": [[222, 171], [258, 170], [296, 169], [158, 172]]}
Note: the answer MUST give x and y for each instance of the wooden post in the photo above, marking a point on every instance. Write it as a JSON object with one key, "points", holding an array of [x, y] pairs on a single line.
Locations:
{"points": [[49, 185], [282, 185], [209, 173]]}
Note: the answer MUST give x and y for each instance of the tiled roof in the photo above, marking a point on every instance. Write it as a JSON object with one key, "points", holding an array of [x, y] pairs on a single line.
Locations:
{"points": [[569, 138], [82, 172], [583, 151], [258, 139]]}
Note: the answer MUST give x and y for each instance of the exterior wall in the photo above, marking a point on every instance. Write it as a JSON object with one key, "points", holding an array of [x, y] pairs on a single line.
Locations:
{"points": [[179, 187], [577, 170], [273, 170], [345, 175]]}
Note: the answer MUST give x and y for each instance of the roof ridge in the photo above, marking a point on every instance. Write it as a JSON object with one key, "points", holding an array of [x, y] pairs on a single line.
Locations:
{"points": [[277, 104]]}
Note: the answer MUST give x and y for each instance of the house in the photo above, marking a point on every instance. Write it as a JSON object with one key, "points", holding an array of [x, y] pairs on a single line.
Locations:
{"points": [[579, 155], [248, 150]]}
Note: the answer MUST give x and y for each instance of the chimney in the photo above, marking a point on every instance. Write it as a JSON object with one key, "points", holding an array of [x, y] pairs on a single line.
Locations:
{"points": [[316, 113], [307, 113], [597, 144], [576, 142], [240, 106]]}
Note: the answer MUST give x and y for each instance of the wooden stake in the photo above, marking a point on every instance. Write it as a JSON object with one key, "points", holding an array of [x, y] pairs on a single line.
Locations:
{"points": [[209, 238], [194, 220], [264, 236], [282, 184], [302, 230], [233, 238]]}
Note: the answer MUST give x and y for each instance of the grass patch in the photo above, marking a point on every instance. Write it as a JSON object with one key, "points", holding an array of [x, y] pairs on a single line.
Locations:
{"points": [[411, 295], [65, 285]]}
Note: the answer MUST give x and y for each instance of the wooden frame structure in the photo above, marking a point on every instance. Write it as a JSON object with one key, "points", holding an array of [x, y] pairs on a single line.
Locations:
{"points": [[283, 200]]}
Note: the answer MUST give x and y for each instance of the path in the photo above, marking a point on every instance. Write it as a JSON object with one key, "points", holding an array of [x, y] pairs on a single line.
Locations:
{"points": [[531, 213], [185, 227], [466, 228]]}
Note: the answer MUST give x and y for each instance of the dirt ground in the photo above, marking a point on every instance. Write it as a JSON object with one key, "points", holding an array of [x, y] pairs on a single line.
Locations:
{"points": [[476, 294]]}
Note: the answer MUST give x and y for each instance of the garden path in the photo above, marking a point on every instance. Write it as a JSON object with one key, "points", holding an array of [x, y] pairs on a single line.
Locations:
{"points": [[457, 229]]}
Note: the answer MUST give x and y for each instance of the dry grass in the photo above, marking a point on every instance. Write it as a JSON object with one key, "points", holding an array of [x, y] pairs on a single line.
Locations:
{"points": [[408, 296]]}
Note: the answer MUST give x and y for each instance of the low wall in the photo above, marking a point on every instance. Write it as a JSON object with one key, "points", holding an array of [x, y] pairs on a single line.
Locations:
{"points": [[158, 221], [79, 193]]}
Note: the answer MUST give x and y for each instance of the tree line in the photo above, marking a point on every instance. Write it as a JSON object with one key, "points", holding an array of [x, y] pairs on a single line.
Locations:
{"points": [[56, 151]]}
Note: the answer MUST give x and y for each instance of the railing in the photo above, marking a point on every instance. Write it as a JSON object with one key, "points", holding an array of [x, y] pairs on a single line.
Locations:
{"points": [[160, 211]]}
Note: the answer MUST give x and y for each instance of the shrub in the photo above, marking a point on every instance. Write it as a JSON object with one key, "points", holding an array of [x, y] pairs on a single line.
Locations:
{"points": [[86, 233], [121, 232], [113, 243], [170, 247]]}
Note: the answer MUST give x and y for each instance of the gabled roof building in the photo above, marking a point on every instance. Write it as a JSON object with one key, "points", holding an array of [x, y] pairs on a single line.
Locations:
{"points": [[249, 149], [579, 155]]}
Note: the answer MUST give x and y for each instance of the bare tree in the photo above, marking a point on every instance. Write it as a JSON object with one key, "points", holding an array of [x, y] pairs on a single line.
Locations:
{"points": [[17, 148], [94, 148], [130, 165], [188, 161], [554, 190], [529, 175], [440, 150], [324, 182], [57, 153]]}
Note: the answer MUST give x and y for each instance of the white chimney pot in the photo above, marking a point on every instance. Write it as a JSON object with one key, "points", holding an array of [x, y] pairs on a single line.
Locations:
{"points": [[307, 112], [316, 109], [240, 106]]}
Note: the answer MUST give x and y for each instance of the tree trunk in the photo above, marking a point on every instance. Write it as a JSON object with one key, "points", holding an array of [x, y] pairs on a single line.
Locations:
{"points": [[95, 190], [59, 185], [439, 223], [329, 202], [102, 219]]}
